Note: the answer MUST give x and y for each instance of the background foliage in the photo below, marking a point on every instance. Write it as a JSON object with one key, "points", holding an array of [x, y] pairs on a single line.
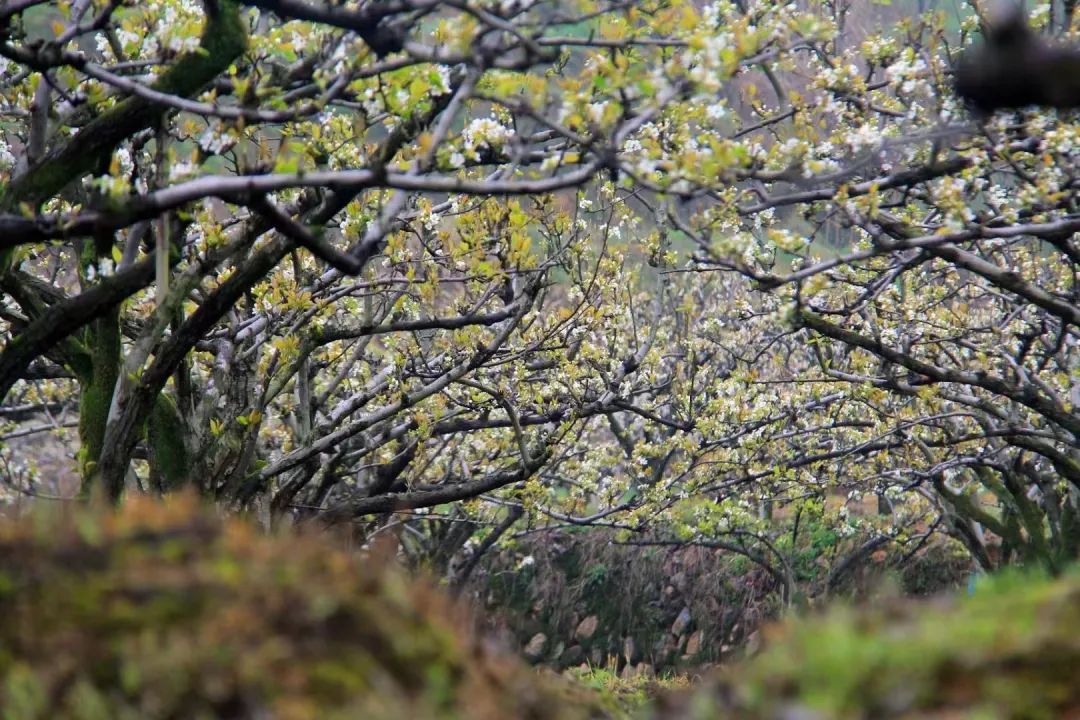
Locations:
{"points": [[742, 276]]}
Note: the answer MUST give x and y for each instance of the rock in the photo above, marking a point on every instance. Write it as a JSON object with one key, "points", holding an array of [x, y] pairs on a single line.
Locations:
{"points": [[501, 634], [753, 643], [664, 650], [573, 655], [534, 649], [587, 628], [630, 650], [679, 581], [693, 645], [642, 669], [596, 657], [682, 622]]}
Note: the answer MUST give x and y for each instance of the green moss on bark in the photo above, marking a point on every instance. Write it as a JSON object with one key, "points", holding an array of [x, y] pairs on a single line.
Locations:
{"points": [[97, 390], [165, 437]]}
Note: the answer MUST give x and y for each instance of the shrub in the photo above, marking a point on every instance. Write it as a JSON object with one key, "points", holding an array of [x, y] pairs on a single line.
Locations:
{"points": [[165, 611], [1009, 651]]}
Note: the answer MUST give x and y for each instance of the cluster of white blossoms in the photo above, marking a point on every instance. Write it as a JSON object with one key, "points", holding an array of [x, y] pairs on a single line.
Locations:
{"points": [[820, 160], [428, 218], [707, 64], [371, 101], [713, 13], [879, 49], [440, 79], [1062, 139], [906, 70], [174, 26], [104, 268], [479, 134], [1040, 14], [7, 158], [842, 77], [717, 110], [182, 170], [215, 139], [1003, 202], [129, 42], [864, 137]]}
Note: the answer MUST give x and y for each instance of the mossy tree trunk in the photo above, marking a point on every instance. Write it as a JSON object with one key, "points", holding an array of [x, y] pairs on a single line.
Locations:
{"points": [[96, 390], [97, 361]]}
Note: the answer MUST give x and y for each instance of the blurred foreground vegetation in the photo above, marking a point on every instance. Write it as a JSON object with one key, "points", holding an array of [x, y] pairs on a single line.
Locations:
{"points": [[1010, 650], [166, 611], [162, 611]]}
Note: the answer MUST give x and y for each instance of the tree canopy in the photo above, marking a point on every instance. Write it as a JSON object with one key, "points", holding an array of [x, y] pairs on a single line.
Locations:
{"points": [[687, 274]]}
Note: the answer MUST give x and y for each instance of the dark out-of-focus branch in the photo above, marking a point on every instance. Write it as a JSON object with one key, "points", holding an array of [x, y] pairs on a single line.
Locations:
{"points": [[1015, 67]]}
